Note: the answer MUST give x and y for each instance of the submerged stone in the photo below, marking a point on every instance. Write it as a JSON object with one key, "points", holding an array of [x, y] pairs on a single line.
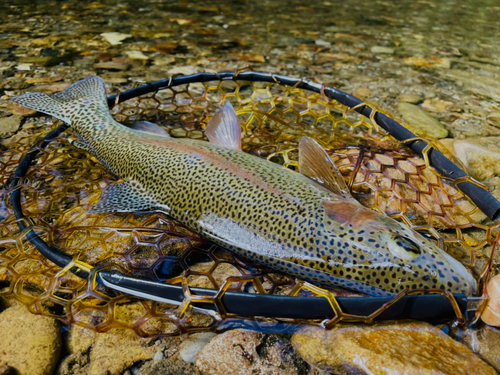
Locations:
{"points": [[9, 125], [420, 119], [387, 348], [481, 156]]}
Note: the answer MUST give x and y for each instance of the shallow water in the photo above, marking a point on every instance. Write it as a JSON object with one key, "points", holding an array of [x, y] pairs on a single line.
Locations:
{"points": [[442, 55]]}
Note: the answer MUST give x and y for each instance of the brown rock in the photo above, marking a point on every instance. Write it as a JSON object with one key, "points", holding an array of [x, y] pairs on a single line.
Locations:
{"points": [[485, 342], [51, 89], [111, 65], [80, 339], [30, 343], [387, 348], [48, 79], [19, 110], [435, 62], [74, 364], [235, 352], [9, 125], [481, 156], [116, 350], [491, 314], [362, 92]]}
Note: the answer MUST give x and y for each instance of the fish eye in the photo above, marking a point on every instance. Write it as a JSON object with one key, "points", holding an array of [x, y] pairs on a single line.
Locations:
{"points": [[403, 248]]}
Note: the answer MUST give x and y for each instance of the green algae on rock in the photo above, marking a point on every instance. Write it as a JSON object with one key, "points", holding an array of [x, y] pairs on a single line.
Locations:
{"points": [[387, 348]]}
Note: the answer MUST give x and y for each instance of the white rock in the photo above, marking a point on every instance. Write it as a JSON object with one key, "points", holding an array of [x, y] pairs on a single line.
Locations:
{"points": [[158, 356], [320, 42], [186, 70], [115, 38], [382, 49], [190, 348], [136, 55]]}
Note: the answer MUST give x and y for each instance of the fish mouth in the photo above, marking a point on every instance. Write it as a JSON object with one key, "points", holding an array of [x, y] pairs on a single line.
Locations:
{"points": [[462, 271]]}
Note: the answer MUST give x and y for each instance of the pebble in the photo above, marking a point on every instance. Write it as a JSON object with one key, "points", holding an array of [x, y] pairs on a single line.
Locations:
{"points": [[410, 98], [178, 133], [115, 38], [362, 92], [481, 156], [190, 348], [136, 55], [9, 125], [19, 110], [30, 343], [434, 62], [387, 348], [383, 50], [235, 352], [111, 65], [158, 355], [420, 119]]}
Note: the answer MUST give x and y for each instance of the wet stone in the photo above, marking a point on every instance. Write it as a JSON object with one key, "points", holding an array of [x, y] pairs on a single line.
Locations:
{"points": [[410, 98], [420, 119], [190, 348], [388, 348], [481, 156], [485, 342], [9, 125], [178, 133], [30, 344], [383, 50]]}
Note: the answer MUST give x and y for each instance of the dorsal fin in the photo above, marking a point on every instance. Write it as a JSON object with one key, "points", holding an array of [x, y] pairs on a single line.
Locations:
{"points": [[224, 128], [316, 164], [149, 127]]}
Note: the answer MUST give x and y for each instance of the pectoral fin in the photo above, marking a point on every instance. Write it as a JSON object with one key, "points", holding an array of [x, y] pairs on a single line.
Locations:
{"points": [[316, 164], [224, 128], [149, 127], [125, 196]]}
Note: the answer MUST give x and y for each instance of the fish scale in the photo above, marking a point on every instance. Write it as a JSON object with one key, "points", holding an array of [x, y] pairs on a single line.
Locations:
{"points": [[276, 217]]}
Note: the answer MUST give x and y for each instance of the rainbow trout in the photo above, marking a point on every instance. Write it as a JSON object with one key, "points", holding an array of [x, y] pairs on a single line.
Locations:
{"points": [[304, 224]]}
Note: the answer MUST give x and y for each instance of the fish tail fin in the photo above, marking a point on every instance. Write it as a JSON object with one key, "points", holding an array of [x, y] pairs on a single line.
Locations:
{"points": [[89, 92]]}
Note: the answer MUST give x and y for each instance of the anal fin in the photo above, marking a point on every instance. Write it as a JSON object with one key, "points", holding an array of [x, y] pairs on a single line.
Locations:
{"points": [[127, 196]]}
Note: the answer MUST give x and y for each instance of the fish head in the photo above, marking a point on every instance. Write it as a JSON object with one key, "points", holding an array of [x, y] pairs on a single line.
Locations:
{"points": [[393, 257]]}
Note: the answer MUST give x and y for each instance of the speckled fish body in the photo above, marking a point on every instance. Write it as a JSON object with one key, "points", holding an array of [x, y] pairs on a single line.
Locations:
{"points": [[274, 216]]}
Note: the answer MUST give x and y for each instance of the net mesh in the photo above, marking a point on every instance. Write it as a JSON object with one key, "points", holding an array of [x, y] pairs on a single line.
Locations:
{"points": [[64, 181]]}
